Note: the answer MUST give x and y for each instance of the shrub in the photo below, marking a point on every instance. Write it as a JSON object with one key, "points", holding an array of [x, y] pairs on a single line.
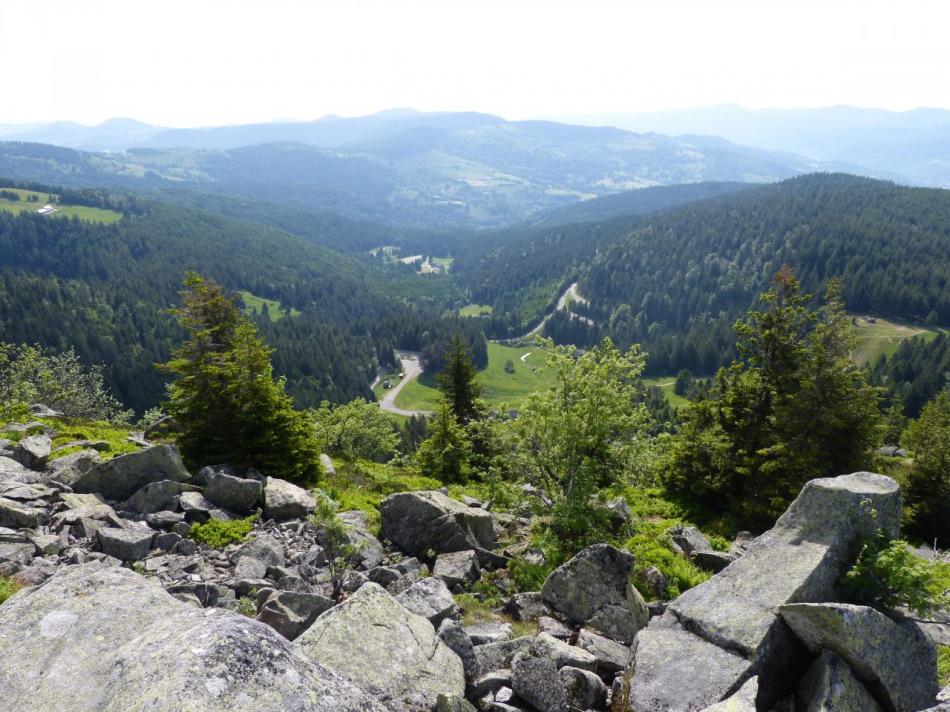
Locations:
{"points": [[218, 533], [31, 374], [358, 429], [888, 575]]}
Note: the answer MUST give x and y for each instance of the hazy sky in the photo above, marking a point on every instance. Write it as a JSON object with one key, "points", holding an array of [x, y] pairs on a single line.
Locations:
{"points": [[203, 62]]}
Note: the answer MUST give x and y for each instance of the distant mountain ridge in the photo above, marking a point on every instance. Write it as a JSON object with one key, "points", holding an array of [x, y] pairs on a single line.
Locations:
{"points": [[405, 167]]}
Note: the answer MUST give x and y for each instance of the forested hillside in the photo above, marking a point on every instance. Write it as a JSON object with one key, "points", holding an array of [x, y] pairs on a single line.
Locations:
{"points": [[705, 262], [675, 281], [105, 290]]}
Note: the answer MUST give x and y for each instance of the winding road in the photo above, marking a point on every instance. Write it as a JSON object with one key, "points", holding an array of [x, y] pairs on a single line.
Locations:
{"points": [[411, 368], [570, 293]]}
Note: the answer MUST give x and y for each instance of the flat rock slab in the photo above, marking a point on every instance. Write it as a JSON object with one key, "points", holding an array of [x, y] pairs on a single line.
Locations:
{"points": [[895, 658], [284, 501], [371, 638], [121, 477], [131, 544], [800, 559], [675, 671], [104, 639]]}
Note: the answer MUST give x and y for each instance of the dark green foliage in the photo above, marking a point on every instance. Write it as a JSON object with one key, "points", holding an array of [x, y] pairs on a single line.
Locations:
{"points": [[916, 372], [445, 455], [334, 537], [889, 576], [792, 409], [927, 487], [224, 399], [457, 382], [218, 533]]}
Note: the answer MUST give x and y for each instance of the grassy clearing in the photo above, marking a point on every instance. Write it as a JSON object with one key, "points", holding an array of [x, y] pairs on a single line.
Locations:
{"points": [[114, 439], [881, 337], [254, 305], [24, 205], [665, 384], [470, 310], [475, 611], [499, 388]]}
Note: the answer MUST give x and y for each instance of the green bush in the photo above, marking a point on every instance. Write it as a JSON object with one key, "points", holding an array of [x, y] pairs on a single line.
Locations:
{"points": [[7, 588], [943, 665], [888, 575], [527, 576], [218, 533]]}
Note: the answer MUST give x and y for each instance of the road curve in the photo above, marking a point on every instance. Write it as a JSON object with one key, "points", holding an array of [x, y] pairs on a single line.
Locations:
{"points": [[411, 368]]}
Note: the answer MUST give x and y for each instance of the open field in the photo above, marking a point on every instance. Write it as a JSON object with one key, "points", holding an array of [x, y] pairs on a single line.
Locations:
{"points": [[254, 304], [475, 310], [498, 386], [665, 384], [879, 336], [24, 205]]}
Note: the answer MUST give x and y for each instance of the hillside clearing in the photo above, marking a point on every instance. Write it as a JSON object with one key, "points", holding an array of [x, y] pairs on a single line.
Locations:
{"points": [[26, 205], [882, 337], [254, 305]]}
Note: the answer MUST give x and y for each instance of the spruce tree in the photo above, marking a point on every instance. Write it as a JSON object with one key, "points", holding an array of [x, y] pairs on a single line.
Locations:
{"points": [[446, 453], [225, 399], [457, 382]]}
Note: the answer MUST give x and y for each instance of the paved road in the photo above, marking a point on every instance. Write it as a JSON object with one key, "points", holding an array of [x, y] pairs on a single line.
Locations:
{"points": [[570, 292], [411, 368]]}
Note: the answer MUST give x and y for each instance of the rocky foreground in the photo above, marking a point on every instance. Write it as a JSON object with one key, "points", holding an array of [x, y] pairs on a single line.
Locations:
{"points": [[122, 611]]}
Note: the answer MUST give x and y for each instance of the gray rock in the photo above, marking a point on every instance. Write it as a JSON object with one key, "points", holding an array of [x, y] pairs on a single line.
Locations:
{"points": [[291, 613], [554, 628], [166, 541], [527, 606], [327, 464], [741, 701], [583, 688], [19, 553], [894, 657], [536, 681], [26, 492], [248, 568], [76, 501], [594, 589], [453, 703], [830, 686], [39, 410], [199, 510], [384, 575], [431, 599], [17, 515], [484, 633], [11, 470], [156, 497], [370, 637], [663, 654], [69, 468], [95, 639], [234, 494], [689, 540], [121, 477], [611, 656], [457, 568], [421, 521], [132, 544], [33, 452], [284, 501], [490, 683], [499, 656], [562, 654], [456, 639], [46, 544], [713, 561], [266, 548], [800, 559]]}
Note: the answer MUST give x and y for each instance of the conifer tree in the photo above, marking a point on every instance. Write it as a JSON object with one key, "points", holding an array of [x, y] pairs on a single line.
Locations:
{"points": [[927, 494], [446, 453], [225, 399], [457, 382]]}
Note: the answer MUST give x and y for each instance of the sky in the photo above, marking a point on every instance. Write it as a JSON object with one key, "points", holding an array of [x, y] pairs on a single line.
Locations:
{"points": [[212, 62]]}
